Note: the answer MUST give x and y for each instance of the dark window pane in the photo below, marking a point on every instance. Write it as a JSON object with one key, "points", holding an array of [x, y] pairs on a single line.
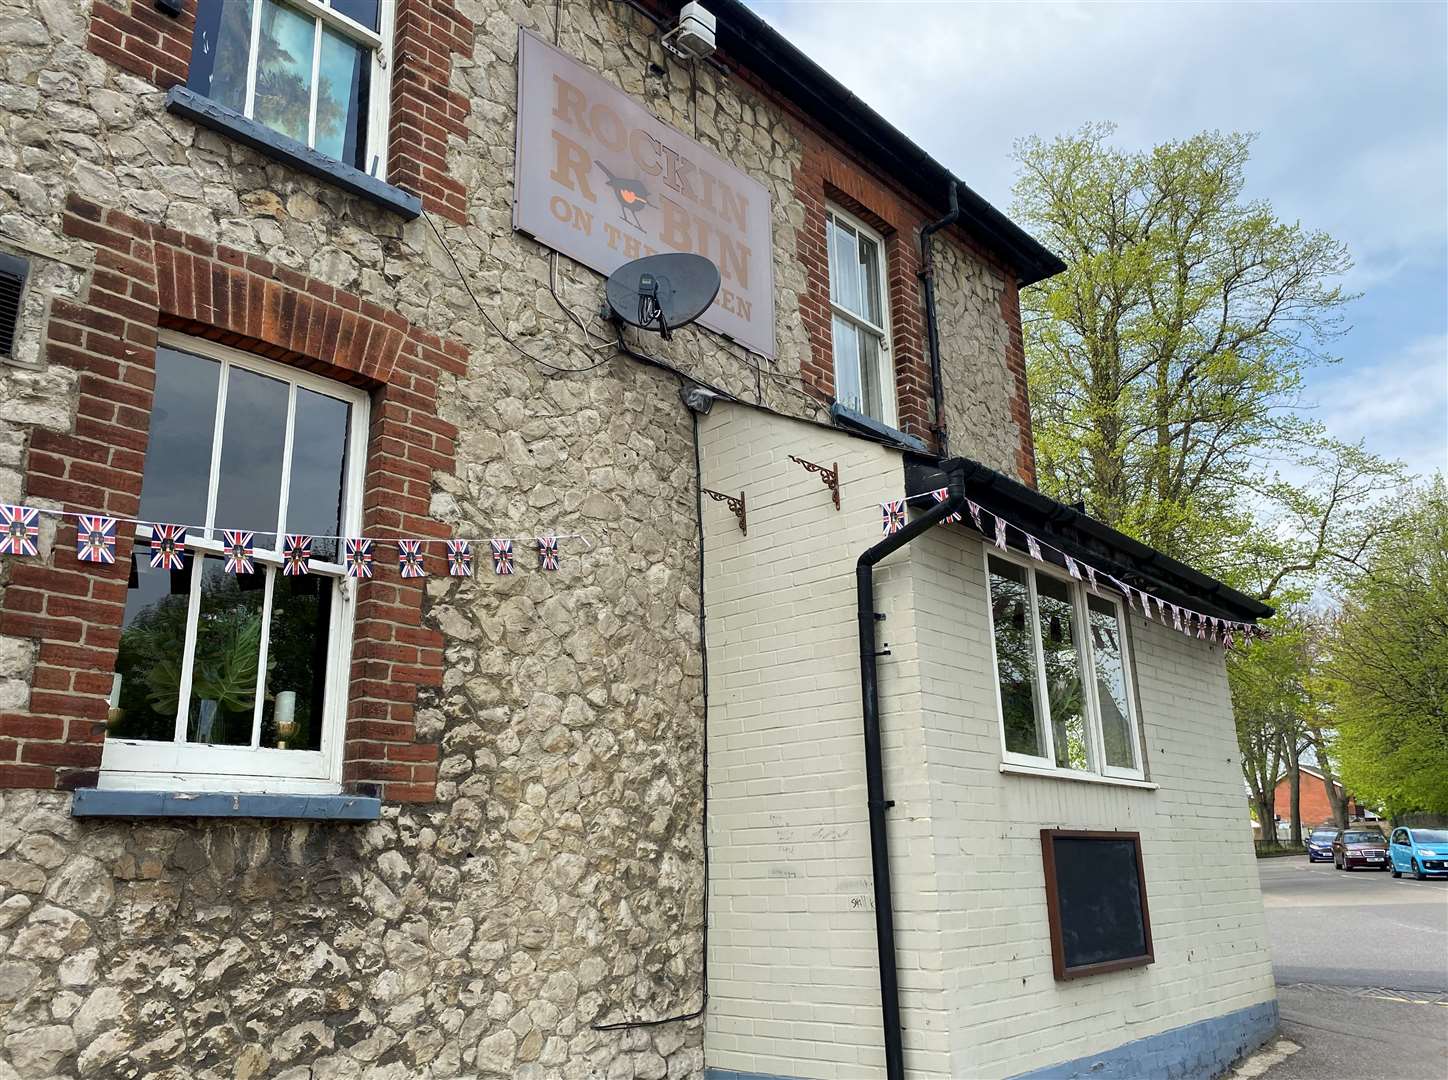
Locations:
{"points": [[1111, 689], [1063, 671], [284, 70], [253, 441], [148, 662], [178, 456], [228, 650], [319, 462], [346, 74], [220, 50], [297, 661], [1015, 649], [362, 11]]}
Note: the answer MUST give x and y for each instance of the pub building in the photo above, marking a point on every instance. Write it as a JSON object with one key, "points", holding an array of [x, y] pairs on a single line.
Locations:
{"points": [[407, 670]]}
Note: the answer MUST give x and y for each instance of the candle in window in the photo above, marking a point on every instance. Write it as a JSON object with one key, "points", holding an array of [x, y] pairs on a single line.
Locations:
{"points": [[286, 708]]}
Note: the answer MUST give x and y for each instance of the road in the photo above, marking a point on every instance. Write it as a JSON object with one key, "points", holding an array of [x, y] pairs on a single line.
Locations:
{"points": [[1361, 961]]}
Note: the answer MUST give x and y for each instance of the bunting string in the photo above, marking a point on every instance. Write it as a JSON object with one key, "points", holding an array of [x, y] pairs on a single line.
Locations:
{"points": [[168, 545], [1182, 620]]}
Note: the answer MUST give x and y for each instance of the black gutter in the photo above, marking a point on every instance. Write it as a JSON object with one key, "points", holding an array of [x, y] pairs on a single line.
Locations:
{"points": [[932, 331], [1086, 538], [957, 470], [746, 39]]}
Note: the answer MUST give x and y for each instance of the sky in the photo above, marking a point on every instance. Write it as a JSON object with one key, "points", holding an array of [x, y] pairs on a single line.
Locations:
{"points": [[1349, 103]]}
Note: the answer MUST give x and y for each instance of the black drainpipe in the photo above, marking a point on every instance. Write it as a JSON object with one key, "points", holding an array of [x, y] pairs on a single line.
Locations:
{"points": [[957, 469], [932, 332]]}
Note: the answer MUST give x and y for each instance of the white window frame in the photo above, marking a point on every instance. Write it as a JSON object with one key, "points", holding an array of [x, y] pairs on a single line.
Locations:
{"points": [[145, 764], [379, 104], [1086, 655], [887, 354]]}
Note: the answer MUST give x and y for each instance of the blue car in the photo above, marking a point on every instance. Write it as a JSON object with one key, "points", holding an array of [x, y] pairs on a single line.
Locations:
{"points": [[1319, 843], [1420, 852]]}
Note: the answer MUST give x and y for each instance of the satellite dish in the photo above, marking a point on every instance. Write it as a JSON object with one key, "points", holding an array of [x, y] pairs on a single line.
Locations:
{"points": [[662, 292]]}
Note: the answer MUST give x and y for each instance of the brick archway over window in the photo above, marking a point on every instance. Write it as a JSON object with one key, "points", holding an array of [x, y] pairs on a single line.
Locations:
{"points": [[147, 276]]}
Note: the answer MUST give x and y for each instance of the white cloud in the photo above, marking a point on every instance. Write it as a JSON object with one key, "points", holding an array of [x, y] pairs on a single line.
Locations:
{"points": [[1398, 404]]}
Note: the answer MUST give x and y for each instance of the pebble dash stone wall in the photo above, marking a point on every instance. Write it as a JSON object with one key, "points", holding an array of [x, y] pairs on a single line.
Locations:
{"points": [[556, 881]]}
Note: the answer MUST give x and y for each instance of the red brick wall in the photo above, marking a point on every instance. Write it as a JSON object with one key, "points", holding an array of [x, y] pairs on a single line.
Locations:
{"points": [[136, 37], [149, 276], [1010, 301], [425, 112], [1312, 799], [830, 174]]}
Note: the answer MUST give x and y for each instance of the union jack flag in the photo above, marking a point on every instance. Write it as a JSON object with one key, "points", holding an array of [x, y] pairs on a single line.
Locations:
{"points": [[459, 558], [95, 539], [409, 558], [974, 509], [296, 555], [1091, 575], [357, 557], [1033, 547], [548, 553], [1201, 628], [502, 556], [168, 547], [941, 494], [1000, 532], [238, 546], [1072, 568], [892, 516], [18, 530]]}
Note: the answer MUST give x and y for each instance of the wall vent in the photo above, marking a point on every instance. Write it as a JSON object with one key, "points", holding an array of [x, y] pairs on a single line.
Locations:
{"points": [[12, 285]]}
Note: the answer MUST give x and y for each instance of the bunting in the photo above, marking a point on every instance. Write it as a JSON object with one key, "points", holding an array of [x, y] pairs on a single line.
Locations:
{"points": [[409, 559], [974, 509], [892, 516], [459, 558], [95, 539], [941, 494], [239, 551], [502, 556], [357, 557], [1033, 547], [18, 530], [296, 555], [167, 552], [547, 553]]}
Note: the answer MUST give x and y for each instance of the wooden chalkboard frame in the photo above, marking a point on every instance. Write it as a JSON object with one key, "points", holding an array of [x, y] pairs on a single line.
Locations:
{"points": [[1053, 904]]}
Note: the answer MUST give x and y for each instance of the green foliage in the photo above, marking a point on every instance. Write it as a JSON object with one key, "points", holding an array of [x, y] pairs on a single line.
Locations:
{"points": [[1386, 676], [1270, 704], [1165, 362]]}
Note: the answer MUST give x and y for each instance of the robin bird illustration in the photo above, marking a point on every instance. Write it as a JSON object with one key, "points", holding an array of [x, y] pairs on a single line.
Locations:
{"points": [[631, 195]]}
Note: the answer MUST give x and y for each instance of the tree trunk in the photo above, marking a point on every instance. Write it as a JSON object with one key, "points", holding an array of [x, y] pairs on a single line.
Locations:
{"points": [[1294, 787], [1267, 818], [1337, 800]]}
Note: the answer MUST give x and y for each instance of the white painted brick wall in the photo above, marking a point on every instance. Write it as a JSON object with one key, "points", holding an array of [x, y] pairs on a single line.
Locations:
{"points": [[794, 986]]}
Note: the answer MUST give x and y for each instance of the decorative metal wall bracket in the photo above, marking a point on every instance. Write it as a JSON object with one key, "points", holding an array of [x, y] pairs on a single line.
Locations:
{"points": [[736, 506], [830, 476]]}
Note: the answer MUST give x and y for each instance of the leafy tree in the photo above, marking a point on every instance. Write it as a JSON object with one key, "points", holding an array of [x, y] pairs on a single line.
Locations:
{"points": [[1386, 675], [1166, 361], [1269, 701]]}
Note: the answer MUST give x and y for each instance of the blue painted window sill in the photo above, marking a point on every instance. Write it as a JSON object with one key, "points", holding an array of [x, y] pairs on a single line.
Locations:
{"points": [[106, 802], [183, 101]]}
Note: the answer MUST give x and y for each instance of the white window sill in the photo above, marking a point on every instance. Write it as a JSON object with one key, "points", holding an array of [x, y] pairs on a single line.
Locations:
{"points": [[1083, 778]]}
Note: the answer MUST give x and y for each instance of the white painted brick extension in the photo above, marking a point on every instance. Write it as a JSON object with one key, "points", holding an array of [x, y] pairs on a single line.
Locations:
{"points": [[794, 987]]}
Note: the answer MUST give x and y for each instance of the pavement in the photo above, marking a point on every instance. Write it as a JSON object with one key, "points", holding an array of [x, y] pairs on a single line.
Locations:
{"points": [[1361, 961]]}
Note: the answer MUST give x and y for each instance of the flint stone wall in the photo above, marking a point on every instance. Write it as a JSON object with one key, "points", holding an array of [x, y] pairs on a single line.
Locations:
{"points": [[557, 881]]}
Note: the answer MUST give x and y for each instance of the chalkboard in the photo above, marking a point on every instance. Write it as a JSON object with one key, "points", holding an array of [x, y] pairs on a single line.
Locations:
{"points": [[1095, 901]]}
